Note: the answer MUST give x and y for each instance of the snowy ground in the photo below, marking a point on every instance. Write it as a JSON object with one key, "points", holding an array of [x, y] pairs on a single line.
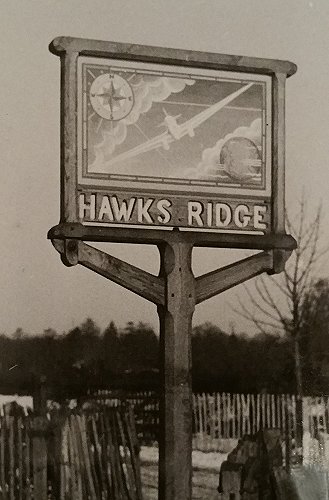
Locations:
{"points": [[25, 401], [206, 468], [209, 461]]}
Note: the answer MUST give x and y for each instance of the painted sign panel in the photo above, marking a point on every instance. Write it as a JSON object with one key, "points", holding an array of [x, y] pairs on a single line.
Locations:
{"points": [[173, 146]]}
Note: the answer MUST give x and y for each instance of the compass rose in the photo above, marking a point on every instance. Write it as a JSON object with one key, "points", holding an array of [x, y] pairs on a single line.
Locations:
{"points": [[111, 96]]}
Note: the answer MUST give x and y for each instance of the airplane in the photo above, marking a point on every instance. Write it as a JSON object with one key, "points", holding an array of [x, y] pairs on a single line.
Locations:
{"points": [[176, 131]]}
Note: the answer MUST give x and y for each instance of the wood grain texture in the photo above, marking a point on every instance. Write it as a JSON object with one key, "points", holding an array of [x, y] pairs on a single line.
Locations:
{"points": [[278, 154], [175, 437], [61, 45], [157, 237], [134, 279], [218, 281], [39, 458], [68, 136]]}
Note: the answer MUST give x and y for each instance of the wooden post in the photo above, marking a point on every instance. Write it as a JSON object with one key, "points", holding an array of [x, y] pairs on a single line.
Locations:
{"points": [[175, 292], [175, 441]]}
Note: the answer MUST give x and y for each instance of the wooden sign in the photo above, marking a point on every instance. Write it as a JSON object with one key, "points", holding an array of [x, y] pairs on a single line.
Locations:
{"points": [[154, 139], [159, 145], [164, 138]]}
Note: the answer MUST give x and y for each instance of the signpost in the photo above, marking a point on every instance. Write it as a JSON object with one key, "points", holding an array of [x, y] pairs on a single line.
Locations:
{"points": [[177, 149]]}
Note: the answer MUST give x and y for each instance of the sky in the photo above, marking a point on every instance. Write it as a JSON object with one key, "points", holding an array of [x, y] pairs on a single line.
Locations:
{"points": [[37, 291]]}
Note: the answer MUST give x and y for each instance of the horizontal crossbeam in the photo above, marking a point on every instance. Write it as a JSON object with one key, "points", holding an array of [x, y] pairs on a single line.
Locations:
{"points": [[153, 287], [158, 236]]}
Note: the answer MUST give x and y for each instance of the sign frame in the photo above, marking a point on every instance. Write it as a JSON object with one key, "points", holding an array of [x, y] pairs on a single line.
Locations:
{"points": [[71, 49]]}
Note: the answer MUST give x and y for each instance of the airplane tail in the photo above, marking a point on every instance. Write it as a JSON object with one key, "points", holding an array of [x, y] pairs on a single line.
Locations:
{"points": [[164, 123]]}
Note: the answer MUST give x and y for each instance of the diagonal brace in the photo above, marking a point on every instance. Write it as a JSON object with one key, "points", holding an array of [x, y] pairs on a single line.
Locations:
{"points": [[210, 284], [133, 278]]}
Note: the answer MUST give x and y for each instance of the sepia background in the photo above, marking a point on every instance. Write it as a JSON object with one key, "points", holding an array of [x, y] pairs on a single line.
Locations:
{"points": [[242, 382], [37, 291]]}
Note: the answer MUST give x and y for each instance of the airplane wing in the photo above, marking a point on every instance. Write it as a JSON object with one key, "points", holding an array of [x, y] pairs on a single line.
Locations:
{"points": [[163, 140], [166, 138], [207, 113]]}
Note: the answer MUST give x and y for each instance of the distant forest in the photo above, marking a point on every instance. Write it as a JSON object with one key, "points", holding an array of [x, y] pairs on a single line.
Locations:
{"points": [[86, 359]]}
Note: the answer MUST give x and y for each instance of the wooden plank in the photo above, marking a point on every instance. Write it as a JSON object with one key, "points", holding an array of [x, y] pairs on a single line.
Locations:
{"points": [[134, 279], [86, 418], [218, 281], [283, 412], [111, 475], [98, 456], [11, 459], [63, 45], [127, 460], [195, 414], [20, 470], [268, 411], [200, 421], [76, 458], [39, 447], [278, 411], [225, 415], [278, 153], [117, 460], [248, 414], [2, 457], [245, 414], [133, 444], [28, 458], [287, 434], [158, 237], [253, 412], [205, 418], [273, 421], [234, 405], [68, 137], [294, 416], [211, 413], [219, 416], [258, 412], [64, 462], [72, 477], [104, 454], [84, 443]]}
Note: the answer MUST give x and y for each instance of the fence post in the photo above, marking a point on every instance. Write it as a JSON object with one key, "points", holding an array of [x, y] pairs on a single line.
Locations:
{"points": [[39, 442]]}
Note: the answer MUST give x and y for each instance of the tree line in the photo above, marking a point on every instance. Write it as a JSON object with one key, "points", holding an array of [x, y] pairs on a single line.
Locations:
{"points": [[86, 359]]}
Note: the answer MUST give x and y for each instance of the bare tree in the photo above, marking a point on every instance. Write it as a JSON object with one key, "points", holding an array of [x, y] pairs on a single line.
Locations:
{"points": [[276, 302]]}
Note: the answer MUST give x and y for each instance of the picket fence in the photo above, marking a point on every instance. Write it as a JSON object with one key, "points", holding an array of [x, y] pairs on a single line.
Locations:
{"points": [[99, 457], [70, 455], [16, 464], [223, 416]]}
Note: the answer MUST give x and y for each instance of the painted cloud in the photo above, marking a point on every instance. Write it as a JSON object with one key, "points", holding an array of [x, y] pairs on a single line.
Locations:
{"points": [[210, 157], [147, 90]]}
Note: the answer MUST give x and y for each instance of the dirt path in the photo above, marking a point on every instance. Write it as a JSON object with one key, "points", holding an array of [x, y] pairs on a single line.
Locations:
{"points": [[205, 483]]}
